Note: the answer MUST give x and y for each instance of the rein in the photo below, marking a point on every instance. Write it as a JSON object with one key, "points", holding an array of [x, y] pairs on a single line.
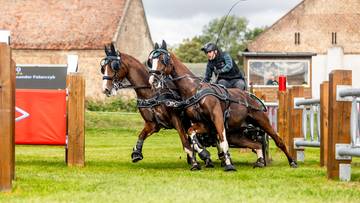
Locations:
{"points": [[186, 76], [118, 84], [135, 87]]}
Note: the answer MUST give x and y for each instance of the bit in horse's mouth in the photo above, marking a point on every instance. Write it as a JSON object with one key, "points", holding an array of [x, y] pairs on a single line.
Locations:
{"points": [[107, 92]]}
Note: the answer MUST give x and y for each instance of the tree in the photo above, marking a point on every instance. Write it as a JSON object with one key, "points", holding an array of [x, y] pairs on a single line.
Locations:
{"points": [[189, 50], [233, 38]]}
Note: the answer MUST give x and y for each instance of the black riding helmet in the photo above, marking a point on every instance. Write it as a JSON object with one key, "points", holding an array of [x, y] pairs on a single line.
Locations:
{"points": [[209, 47]]}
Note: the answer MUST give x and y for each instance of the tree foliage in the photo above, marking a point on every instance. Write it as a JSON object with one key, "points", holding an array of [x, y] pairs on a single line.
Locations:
{"points": [[189, 50], [233, 38]]}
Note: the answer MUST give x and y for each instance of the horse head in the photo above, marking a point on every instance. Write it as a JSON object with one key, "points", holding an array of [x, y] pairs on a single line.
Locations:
{"points": [[111, 69], [160, 64]]}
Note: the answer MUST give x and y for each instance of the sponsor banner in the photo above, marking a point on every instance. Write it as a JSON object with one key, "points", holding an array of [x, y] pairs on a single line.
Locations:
{"points": [[40, 117], [41, 76]]}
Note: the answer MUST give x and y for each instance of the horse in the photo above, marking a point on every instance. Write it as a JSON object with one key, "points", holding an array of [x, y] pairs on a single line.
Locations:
{"points": [[234, 106], [116, 67]]}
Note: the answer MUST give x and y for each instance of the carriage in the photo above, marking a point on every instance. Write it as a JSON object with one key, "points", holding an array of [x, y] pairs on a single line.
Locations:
{"points": [[204, 114]]}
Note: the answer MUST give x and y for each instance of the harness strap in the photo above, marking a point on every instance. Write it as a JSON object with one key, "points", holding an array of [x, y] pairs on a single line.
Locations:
{"points": [[147, 103], [205, 92], [167, 98], [107, 77]]}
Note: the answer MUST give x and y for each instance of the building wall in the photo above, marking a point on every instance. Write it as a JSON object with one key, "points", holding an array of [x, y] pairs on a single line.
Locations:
{"points": [[133, 39], [352, 62], [324, 64], [315, 20], [319, 73]]}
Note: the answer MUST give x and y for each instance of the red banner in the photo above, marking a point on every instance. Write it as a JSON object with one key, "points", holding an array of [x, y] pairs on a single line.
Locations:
{"points": [[40, 117]]}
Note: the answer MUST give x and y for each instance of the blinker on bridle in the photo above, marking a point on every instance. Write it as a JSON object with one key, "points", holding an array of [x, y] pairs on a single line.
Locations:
{"points": [[115, 62], [156, 54]]}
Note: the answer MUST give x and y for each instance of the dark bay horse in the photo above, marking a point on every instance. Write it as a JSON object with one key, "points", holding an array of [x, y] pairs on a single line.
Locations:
{"points": [[117, 66], [239, 106]]}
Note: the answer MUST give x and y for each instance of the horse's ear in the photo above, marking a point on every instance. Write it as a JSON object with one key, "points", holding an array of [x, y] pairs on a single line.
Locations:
{"points": [[112, 47], [106, 50], [163, 45], [156, 45]]}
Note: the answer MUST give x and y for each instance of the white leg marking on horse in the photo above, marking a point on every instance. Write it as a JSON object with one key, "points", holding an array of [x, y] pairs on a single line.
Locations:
{"points": [[189, 152], [259, 153], [218, 147], [225, 147], [196, 146]]}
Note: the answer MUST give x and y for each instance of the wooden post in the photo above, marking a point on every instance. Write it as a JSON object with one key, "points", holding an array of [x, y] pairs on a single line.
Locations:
{"points": [[339, 121], [76, 120], [294, 119], [281, 114], [7, 118], [324, 114], [13, 87]]}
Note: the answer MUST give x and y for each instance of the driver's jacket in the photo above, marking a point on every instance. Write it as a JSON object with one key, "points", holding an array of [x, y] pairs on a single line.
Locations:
{"points": [[224, 65]]}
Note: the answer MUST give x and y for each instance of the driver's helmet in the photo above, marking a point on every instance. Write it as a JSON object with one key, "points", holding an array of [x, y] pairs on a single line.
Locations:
{"points": [[209, 47]]}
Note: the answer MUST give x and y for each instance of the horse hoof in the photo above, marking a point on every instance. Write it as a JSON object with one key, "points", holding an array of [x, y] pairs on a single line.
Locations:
{"points": [[260, 163], [293, 164], [136, 156], [195, 167], [229, 167], [209, 163]]}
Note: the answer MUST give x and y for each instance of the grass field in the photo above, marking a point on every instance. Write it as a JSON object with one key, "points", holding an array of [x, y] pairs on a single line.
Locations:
{"points": [[163, 175]]}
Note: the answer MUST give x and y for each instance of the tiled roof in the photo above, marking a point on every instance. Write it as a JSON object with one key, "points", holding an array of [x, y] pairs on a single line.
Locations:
{"points": [[315, 20], [61, 24]]}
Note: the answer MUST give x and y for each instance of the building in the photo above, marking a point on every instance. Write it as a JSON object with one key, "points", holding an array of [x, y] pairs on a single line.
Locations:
{"points": [[46, 31], [312, 39]]}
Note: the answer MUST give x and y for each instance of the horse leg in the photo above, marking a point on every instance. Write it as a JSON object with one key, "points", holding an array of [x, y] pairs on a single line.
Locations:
{"points": [[149, 128], [185, 143], [218, 120], [196, 129], [244, 142], [264, 123], [196, 146]]}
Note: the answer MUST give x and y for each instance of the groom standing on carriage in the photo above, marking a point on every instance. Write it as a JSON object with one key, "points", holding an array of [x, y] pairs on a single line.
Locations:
{"points": [[226, 71]]}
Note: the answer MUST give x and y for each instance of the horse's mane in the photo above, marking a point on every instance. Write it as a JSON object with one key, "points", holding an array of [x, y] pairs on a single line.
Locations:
{"points": [[133, 63], [178, 63]]}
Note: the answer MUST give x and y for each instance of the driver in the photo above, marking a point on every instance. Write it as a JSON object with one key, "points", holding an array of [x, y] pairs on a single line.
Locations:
{"points": [[223, 66]]}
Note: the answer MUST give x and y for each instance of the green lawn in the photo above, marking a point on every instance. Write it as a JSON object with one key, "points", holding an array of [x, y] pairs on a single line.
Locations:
{"points": [[163, 175]]}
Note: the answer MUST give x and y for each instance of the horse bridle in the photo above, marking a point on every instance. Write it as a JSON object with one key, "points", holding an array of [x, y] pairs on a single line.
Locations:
{"points": [[156, 54], [117, 83], [115, 64], [159, 75]]}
